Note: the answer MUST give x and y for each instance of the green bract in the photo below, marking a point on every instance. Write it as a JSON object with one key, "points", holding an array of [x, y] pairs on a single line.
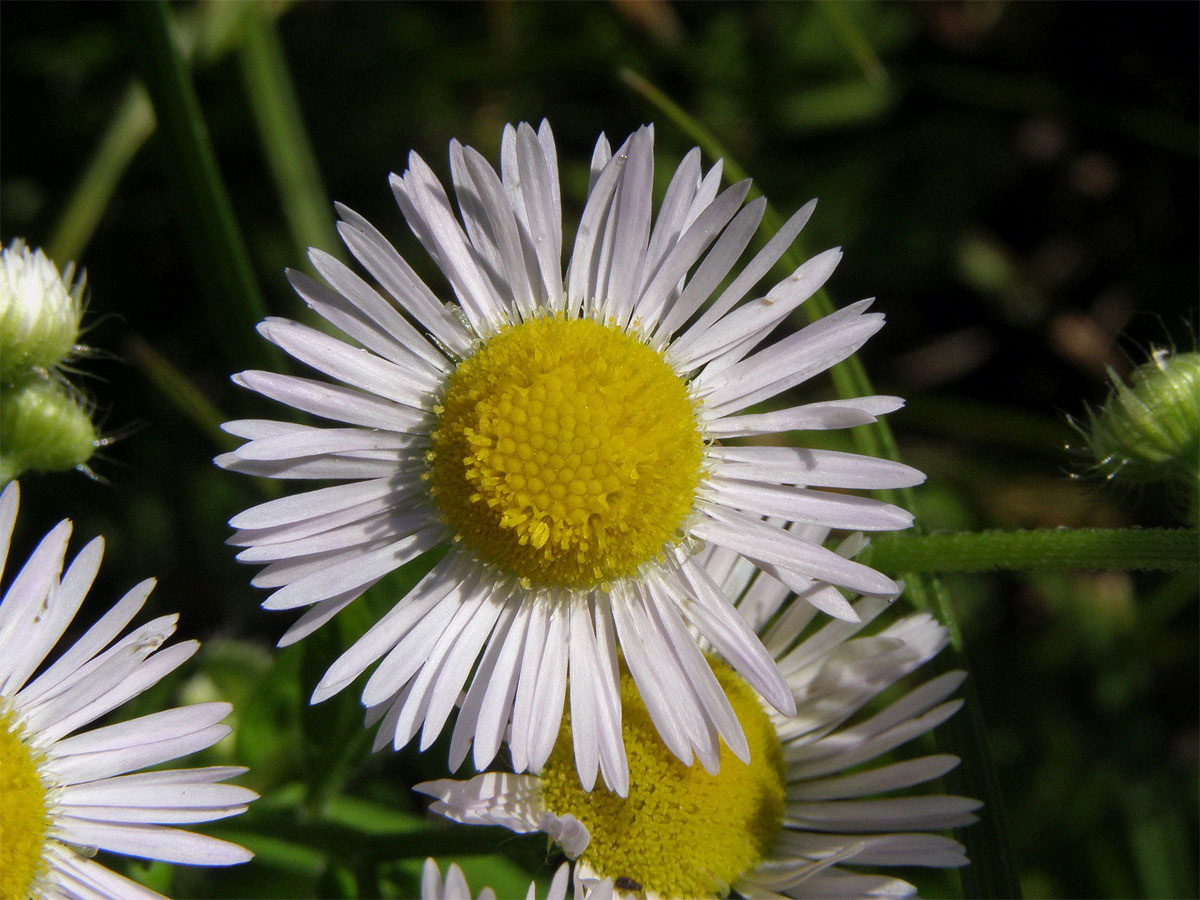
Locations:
{"points": [[45, 425], [39, 314]]}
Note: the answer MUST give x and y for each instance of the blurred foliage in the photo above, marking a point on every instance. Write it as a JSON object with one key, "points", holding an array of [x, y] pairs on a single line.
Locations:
{"points": [[1016, 182]]}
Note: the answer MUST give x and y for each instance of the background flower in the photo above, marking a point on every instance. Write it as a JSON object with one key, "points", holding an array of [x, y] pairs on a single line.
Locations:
{"points": [[814, 783]]}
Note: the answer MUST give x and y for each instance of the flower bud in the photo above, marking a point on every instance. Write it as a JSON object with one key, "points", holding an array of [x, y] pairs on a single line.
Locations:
{"points": [[1149, 429], [39, 314], [46, 427]]}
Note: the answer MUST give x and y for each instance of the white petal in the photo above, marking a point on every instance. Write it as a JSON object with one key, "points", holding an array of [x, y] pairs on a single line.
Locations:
{"points": [[359, 311], [715, 617], [758, 540], [790, 361], [822, 416], [698, 347], [873, 781], [391, 628], [397, 277], [356, 572], [548, 695], [466, 724], [26, 598], [335, 402], [46, 625], [93, 641], [813, 468], [351, 365], [752, 272], [814, 507], [152, 842]]}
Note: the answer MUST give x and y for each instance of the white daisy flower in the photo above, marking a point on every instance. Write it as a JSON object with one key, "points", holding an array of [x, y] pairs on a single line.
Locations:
{"points": [[809, 803], [562, 436], [66, 795], [455, 886]]}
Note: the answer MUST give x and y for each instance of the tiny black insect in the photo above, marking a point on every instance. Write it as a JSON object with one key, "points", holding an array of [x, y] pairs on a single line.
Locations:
{"points": [[625, 883]]}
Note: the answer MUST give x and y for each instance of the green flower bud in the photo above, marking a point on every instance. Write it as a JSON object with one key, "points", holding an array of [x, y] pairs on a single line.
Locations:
{"points": [[39, 314], [45, 427], [1149, 429]]}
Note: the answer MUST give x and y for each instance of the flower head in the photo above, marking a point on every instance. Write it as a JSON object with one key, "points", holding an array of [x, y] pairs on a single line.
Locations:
{"points": [[40, 314], [562, 435], [66, 794], [807, 804]]}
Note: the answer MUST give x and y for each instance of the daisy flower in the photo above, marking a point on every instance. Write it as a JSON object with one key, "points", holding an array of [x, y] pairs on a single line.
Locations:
{"points": [[455, 886], [562, 436], [807, 805], [65, 793]]}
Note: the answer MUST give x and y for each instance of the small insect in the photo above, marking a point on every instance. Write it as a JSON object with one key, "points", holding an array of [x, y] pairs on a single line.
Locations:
{"points": [[625, 883]]}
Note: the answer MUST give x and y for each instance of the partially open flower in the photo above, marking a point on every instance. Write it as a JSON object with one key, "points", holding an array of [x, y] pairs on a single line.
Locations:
{"points": [[1149, 428], [40, 311]]}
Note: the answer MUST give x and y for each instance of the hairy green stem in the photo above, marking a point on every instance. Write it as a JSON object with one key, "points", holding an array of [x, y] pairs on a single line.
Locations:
{"points": [[1148, 549]]}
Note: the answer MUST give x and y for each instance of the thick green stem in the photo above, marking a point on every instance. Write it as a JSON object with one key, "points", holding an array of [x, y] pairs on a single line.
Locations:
{"points": [[180, 391], [281, 132], [1148, 549]]}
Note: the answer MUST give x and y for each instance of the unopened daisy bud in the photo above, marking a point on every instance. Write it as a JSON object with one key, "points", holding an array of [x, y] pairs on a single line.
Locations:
{"points": [[1149, 429], [45, 426], [40, 311]]}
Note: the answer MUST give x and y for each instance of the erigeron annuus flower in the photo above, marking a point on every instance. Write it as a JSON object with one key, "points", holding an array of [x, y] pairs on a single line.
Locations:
{"points": [[64, 794], [563, 437], [807, 817]]}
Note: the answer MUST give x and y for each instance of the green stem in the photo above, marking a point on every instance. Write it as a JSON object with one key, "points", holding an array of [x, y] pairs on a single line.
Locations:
{"points": [[272, 98], [1149, 549], [220, 251], [854, 40], [180, 391], [130, 126], [205, 33]]}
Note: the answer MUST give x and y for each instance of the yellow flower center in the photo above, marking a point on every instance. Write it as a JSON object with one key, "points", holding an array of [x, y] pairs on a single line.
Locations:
{"points": [[24, 820], [681, 832], [567, 452]]}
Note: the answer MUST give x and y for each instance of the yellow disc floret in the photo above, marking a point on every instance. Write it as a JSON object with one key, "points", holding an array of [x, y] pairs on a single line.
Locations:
{"points": [[681, 832], [567, 452], [24, 821]]}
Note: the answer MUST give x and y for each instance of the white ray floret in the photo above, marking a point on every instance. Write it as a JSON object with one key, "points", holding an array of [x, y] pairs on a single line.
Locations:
{"points": [[70, 792], [650, 283]]}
